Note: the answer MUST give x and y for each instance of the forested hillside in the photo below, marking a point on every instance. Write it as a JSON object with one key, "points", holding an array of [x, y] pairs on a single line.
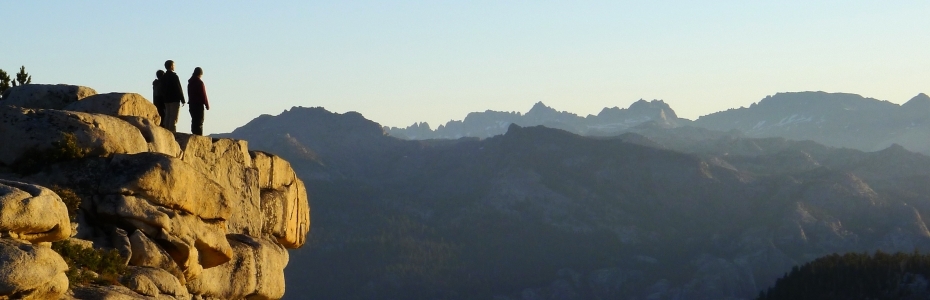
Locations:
{"points": [[855, 276]]}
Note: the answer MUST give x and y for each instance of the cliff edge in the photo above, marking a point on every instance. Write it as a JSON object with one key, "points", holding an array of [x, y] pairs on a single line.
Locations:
{"points": [[99, 202]]}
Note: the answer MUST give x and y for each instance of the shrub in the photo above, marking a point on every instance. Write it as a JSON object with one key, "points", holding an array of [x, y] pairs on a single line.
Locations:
{"points": [[66, 148], [70, 198], [84, 262]]}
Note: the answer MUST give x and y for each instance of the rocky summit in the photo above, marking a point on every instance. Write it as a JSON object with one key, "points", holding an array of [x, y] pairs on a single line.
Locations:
{"points": [[99, 202]]}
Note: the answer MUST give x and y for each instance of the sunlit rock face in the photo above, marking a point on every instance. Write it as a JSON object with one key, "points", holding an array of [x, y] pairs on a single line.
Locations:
{"points": [[47, 96], [33, 131], [117, 104], [283, 200], [192, 216], [32, 213]]}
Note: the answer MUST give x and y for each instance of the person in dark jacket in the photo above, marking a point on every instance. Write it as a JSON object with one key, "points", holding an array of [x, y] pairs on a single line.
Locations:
{"points": [[157, 97], [173, 96], [197, 94]]}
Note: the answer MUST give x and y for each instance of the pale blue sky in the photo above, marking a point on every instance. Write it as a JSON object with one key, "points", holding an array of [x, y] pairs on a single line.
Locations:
{"points": [[399, 62]]}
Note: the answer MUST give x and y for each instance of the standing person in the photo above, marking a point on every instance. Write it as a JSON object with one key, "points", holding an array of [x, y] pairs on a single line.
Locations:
{"points": [[158, 98], [173, 96], [197, 94]]}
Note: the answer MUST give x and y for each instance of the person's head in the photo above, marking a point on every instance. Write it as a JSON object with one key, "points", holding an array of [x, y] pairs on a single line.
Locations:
{"points": [[197, 72], [159, 74], [169, 65]]}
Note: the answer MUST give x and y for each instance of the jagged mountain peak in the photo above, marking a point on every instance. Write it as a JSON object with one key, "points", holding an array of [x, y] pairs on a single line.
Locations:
{"points": [[921, 101], [540, 109]]}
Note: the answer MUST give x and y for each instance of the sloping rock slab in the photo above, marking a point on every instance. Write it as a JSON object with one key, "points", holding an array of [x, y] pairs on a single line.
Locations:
{"points": [[112, 292], [29, 131], [45, 96], [117, 104], [154, 282], [32, 213], [158, 138], [168, 182]]}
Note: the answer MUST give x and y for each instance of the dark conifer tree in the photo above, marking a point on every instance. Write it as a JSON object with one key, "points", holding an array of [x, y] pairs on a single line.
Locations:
{"points": [[854, 276], [4, 82], [22, 77]]}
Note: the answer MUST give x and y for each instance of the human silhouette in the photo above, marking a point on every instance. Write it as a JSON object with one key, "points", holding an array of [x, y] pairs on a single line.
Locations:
{"points": [[197, 94], [173, 96], [157, 97]]}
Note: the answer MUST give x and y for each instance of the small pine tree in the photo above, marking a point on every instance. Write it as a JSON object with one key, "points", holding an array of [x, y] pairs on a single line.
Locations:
{"points": [[4, 82], [22, 77]]}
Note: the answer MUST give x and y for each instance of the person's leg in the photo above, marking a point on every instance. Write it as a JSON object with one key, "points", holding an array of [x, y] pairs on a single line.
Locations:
{"points": [[197, 119], [161, 113], [171, 111]]}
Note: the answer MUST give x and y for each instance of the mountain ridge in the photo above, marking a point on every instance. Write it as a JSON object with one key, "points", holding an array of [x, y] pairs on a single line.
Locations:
{"points": [[835, 119], [669, 212]]}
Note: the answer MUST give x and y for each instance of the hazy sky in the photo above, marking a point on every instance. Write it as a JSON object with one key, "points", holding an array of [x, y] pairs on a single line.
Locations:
{"points": [[398, 62]]}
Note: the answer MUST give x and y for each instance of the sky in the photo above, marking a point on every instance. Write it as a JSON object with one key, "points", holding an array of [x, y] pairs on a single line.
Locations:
{"points": [[400, 62]]}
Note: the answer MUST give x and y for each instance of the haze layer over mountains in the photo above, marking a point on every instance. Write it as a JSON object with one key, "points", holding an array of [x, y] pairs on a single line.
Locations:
{"points": [[833, 119], [648, 206]]}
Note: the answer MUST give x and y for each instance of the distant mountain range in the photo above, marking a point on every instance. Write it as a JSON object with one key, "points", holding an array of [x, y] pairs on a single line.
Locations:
{"points": [[610, 121], [660, 210], [833, 119]]}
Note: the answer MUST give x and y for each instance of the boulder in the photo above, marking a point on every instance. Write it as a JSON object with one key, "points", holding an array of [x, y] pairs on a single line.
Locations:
{"points": [[146, 253], [168, 183], [31, 271], [154, 282], [45, 96], [180, 208], [26, 133], [194, 242], [273, 171], [159, 139], [32, 213], [117, 105], [284, 202], [257, 268], [170, 201], [228, 162], [287, 214], [119, 240], [106, 292]]}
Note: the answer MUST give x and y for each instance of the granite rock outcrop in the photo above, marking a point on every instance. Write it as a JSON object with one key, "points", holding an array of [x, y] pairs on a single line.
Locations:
{"points": [[192, 217]]}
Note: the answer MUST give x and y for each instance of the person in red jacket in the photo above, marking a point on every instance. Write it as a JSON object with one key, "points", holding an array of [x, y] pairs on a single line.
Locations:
{"points": [[197, 100]]}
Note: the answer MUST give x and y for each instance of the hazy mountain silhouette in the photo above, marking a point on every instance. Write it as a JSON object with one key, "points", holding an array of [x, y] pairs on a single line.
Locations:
{"points": [[835, 119], [610, 121], [660, 212]]}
